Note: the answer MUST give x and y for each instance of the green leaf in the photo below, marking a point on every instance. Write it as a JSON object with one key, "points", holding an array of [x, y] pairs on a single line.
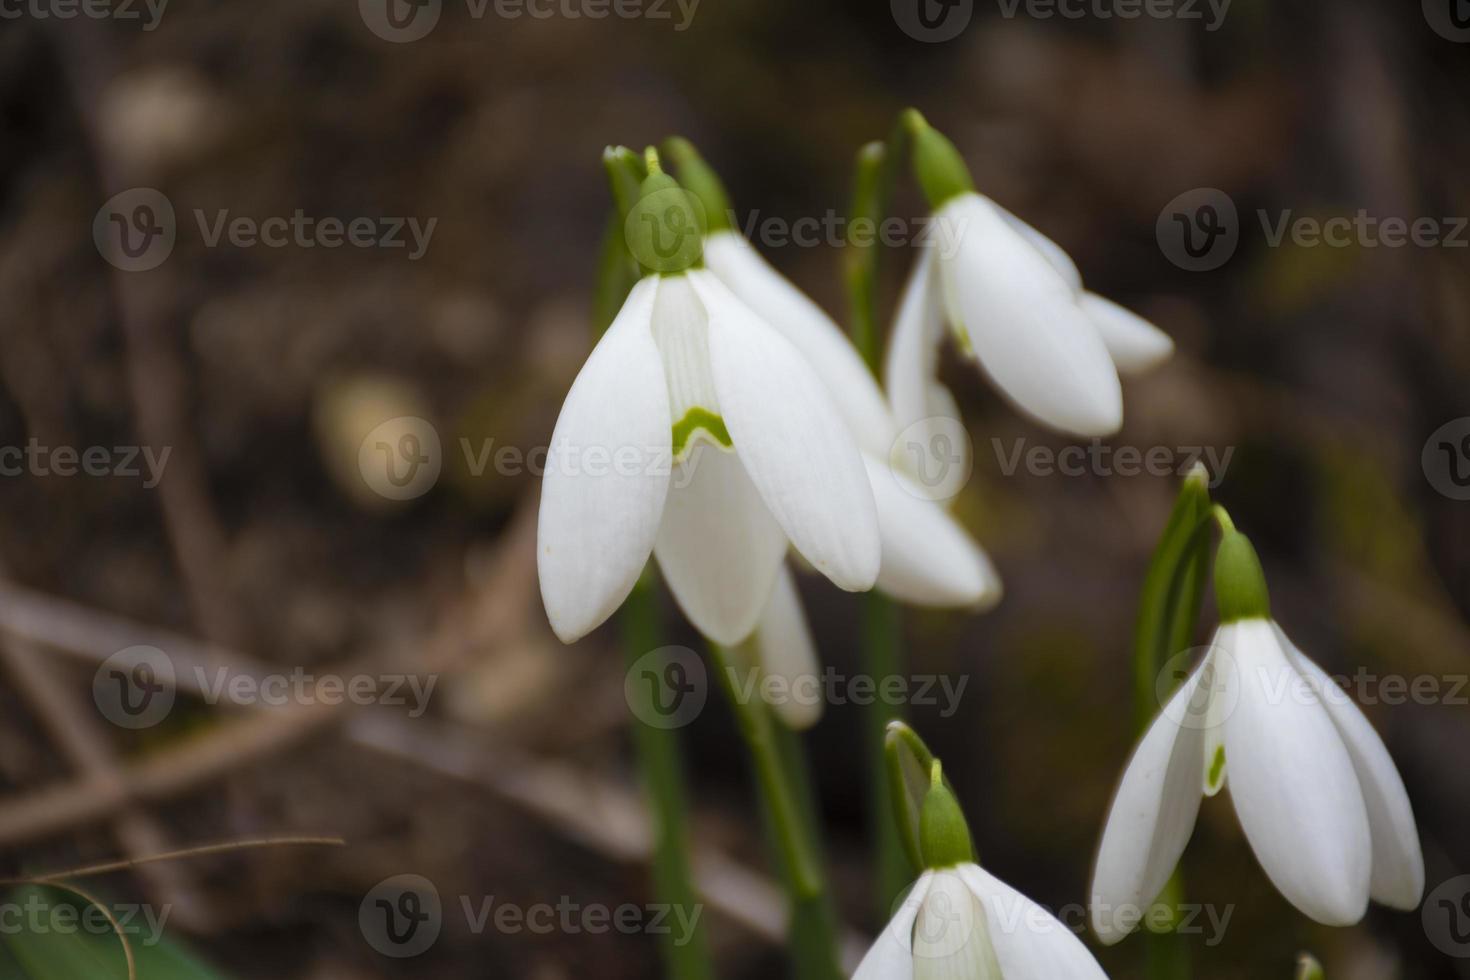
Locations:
{"points": [[1173, 592], [42, 946]]}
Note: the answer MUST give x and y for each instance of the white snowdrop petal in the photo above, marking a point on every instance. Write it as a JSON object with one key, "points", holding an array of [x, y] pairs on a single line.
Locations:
{"points": [[1029, 942], [912, 358], [719, 548], [1027, 331], [787, 651], [1398, 859], [951, 936], [928, 558], [1135, 344], [822, 342], [1153, 811], [792, 440], [1050, 250], [1292, 782], [607, 473], [891, 957]]}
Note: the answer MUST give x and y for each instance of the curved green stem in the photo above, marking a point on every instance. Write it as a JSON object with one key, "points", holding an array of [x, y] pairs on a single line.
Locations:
{"points": [[788, 811], [661, 769]]}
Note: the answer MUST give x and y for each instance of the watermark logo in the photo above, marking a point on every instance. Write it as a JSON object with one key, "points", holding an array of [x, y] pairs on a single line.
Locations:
{"points": [[1211, 13], [1214, 697], [1450, 19], [1199, 230], [400, 21], [665, 230], [135, 231], [1446, 917], [933, 458], [134, 688], [400, 459], [932, 21], [401, 916], [667, 688], [1446, 459]]}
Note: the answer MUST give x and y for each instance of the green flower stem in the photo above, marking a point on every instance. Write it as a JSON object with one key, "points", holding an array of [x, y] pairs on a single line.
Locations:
{"points": [[1169, 607], [882, 657], [875, 171], [814, 921], [786, 806], [661, 768]]}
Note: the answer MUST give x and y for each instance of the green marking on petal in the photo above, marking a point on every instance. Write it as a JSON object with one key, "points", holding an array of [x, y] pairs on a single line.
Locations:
{"points": [[1217, 767], [962, 338], [694, 420]]}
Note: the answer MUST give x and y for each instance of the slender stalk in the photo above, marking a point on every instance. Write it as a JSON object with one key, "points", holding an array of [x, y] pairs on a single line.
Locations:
{"points": [[874, 173], [661, 769], [1169, 607], [781, 782]]}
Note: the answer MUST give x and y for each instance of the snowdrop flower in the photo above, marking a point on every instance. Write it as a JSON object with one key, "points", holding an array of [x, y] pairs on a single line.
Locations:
{"points": [[927, 556], [698, 433], [1014, 302], [1319, 798], [959, 921]]}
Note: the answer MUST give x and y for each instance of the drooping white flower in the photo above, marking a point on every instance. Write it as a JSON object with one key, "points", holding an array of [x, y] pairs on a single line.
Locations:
{"points": [[928, 557], [963, 922], [698, 433], [959, 921], [1014, 302], [1319, 798]]}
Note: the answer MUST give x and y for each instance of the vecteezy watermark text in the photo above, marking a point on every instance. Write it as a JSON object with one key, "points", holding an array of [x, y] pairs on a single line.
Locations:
{"points": [[136, 688], [128, 462], [1211, 12], [1097, 458], [36, 914], [137, 229], [147, 12], [403, 916], [1200, 230], [404, 21]]}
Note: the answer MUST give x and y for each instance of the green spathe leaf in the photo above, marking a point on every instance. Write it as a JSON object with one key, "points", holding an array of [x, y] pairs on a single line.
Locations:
{"points": [[700, 179], [908, 761], [1172, 595], [938, 166]]}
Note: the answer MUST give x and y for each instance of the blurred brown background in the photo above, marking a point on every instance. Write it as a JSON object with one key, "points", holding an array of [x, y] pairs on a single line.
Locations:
{"points": [[1324, 369]]}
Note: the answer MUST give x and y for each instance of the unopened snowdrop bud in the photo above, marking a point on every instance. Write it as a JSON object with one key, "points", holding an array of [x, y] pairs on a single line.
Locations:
{"points": [[1307, 968]]}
